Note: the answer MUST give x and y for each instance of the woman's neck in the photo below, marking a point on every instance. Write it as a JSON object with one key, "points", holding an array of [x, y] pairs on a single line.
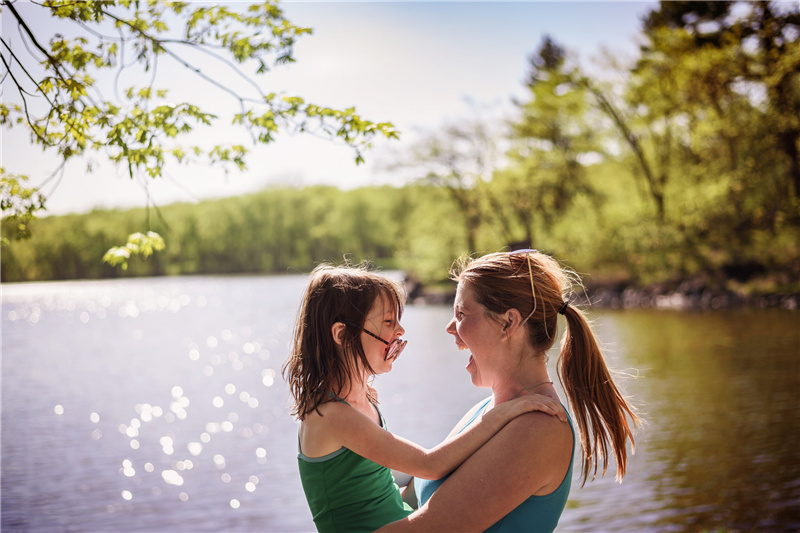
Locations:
{"points": [[530, 376]]}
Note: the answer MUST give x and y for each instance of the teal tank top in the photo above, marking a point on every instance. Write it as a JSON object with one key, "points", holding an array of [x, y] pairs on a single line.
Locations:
{"points": [[347, 492], [536, 514]]}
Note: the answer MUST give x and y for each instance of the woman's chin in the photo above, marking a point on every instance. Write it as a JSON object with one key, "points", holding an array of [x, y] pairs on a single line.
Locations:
{"points": [[472, 369]]}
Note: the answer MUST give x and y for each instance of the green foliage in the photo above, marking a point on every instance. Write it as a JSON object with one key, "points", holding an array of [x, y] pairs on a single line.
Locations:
{"points": [[138, 244], [60, 102], [18, 204], [276, 230]]}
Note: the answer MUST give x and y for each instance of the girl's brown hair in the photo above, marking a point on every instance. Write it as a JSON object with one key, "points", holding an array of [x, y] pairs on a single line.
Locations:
{"points": [[315, 367], [536, 285]]}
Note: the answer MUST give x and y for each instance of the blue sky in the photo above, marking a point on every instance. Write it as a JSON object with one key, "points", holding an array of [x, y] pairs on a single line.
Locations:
{"points": [[411, 63]]}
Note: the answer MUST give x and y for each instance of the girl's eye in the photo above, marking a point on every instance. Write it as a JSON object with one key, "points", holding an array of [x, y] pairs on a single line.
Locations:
{"points": [[459, 315]]}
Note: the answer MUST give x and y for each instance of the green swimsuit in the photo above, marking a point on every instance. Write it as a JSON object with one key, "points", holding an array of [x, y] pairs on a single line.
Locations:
{"points": [[347, 492]]}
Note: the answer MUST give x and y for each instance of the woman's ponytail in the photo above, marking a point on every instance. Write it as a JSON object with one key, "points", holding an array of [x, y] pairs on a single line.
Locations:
{"points": [[600, 409]]}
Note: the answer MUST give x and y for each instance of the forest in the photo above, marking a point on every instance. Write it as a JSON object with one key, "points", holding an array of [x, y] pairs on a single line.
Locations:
{"points": [[682, 166]]}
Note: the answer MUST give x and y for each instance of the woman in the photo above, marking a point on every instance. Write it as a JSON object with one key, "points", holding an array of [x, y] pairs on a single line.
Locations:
{"points": [[506, 314]]}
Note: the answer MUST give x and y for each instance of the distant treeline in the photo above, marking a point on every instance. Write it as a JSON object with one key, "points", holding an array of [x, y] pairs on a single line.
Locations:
{"points": [[417, 228]]}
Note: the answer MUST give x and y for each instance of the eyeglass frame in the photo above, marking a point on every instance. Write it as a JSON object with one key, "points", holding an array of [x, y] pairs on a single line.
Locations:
{"points": [[399, 343]]}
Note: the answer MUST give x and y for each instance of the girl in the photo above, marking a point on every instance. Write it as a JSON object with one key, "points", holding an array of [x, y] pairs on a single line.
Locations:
{"points": [[348, 330]]}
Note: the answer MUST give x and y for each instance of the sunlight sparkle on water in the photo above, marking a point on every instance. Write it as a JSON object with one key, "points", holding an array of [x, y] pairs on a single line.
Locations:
{"points": [[126, 495], [172, 477], [268, 377], [235, 503], [167, 445], [195, 448], [58, 409]]}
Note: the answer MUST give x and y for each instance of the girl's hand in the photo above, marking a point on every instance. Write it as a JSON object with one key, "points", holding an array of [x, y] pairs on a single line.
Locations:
{"points": [[528, 402]]}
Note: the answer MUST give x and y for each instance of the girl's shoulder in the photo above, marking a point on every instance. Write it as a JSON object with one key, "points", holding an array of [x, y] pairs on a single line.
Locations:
{"points": [[333, 407]]}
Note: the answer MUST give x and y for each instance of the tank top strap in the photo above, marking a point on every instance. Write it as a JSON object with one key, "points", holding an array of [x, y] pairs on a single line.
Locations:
{"points": [[338, 398], [380, 415], [479, 411]]}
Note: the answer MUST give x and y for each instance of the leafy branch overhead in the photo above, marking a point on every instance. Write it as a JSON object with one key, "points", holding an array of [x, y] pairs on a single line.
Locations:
{"points": [[53, 90], [138, 244]]}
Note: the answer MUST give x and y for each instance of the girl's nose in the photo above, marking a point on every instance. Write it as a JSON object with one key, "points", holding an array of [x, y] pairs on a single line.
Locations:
{"points": [[451, 326], [401, 329]]}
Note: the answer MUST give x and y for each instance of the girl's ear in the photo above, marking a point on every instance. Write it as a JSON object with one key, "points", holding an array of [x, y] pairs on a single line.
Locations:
{"points": [[337, 331]]}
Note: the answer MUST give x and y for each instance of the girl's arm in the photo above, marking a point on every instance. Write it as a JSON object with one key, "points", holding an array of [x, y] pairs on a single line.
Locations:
{"points": [[529, 456], [357, 432]]}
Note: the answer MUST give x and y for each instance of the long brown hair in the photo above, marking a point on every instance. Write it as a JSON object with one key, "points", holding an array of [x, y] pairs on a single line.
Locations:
{"points": [[504, 281], [315, 367]]}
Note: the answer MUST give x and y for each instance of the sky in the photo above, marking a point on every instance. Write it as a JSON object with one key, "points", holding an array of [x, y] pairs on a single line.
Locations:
{"points": [[415, 64]]}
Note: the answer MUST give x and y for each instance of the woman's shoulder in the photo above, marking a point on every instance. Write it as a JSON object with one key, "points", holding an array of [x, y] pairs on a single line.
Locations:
{"points": [[542, 430], [469, 416]]}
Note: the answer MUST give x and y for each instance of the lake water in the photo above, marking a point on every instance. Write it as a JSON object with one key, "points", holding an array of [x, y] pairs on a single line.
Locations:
{"points": [[158, 405]]}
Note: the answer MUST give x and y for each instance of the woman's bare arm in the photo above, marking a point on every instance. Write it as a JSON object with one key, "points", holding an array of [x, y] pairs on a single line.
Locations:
{"points": [[529, 456]]}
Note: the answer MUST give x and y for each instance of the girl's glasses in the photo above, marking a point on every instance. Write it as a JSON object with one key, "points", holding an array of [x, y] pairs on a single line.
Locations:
{"points": [[393, 348]]}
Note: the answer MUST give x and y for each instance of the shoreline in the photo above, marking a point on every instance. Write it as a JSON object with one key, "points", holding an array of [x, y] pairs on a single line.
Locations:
{"points": [[687, 296]]}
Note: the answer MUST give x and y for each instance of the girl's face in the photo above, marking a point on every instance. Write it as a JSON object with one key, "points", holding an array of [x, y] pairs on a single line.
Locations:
{"points": [[381, 321], [475, 331]]}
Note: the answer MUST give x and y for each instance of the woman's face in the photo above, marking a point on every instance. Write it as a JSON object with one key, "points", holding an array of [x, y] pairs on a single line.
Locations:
{"points": [[381, 321], [475, 331]]}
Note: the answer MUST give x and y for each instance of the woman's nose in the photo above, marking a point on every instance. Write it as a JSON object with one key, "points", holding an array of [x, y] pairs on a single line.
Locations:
{"points": [[451, 326]]}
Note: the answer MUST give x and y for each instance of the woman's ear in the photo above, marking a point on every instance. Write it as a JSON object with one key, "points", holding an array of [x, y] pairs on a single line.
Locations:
{"points": [[337, 331], [511, 320]]}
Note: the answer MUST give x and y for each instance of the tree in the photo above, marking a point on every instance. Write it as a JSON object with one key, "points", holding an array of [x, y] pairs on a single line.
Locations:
{"points": [[766, 38], [550, 141], [459, 158], [734, 72], [60, 102]]}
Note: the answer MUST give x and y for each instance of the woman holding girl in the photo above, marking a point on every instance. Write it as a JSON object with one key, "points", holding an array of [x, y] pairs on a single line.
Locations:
{"points": [[348, 330], [506, 314]]}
